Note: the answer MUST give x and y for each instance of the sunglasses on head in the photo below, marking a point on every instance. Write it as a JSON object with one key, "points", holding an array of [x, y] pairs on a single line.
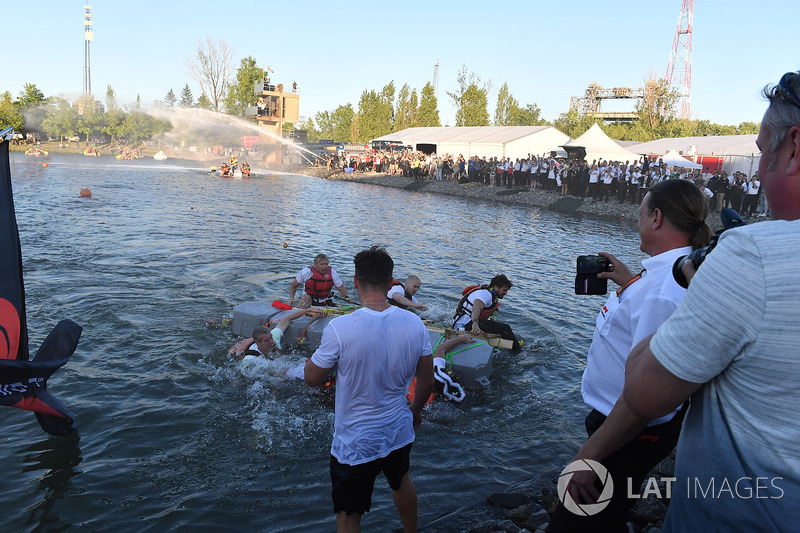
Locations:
{"points": [[785, 91]]}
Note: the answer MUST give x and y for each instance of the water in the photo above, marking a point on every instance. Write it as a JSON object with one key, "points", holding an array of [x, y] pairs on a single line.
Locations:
{"points": [[173, 436]]}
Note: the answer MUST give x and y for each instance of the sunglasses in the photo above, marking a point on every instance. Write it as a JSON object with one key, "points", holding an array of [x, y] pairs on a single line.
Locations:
{"points": [[785, 91]]}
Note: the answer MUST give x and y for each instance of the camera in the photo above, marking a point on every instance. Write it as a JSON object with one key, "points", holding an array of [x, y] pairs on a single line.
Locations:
{"points": [[586, 280], [730, 219]]}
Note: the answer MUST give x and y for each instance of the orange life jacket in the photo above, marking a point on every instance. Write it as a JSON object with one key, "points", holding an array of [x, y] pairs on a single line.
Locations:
{"points": [[320, 285], [464, 307]]}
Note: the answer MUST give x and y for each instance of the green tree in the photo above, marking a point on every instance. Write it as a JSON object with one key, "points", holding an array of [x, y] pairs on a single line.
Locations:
{"points": [[9, 115], [240, 93], [115, 124], [507, 112], [138, 104], [428, 112], [413, 106], [531, 115], [111, 99], [61, 120], [404, 112], [470, 99], [337, 125], [203, 103], [187, 99], [574, 124], [311, 130], [170, 99], [748, 128], [375, 113], [91, 123], [658, 105], [211, 67], [31, 96]]}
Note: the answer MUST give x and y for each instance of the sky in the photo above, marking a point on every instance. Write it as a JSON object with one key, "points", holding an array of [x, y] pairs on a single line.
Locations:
{"points": [[547, 52]]}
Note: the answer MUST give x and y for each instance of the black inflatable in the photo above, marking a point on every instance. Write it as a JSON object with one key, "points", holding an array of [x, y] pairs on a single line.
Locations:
{"points": [[23, 383]]}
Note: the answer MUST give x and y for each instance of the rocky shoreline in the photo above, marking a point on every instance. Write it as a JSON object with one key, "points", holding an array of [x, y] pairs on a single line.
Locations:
{"points": [[544, 199]]}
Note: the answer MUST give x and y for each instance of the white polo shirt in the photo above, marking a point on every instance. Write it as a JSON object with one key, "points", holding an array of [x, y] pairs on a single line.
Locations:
{"points": [[623, 322]]}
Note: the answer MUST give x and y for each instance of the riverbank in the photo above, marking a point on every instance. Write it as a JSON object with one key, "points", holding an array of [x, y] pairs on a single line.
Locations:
{"points": [[544, 199]]}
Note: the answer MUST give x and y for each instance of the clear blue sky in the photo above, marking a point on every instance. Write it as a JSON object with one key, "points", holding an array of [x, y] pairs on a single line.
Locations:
{"points": [[545, 51]]}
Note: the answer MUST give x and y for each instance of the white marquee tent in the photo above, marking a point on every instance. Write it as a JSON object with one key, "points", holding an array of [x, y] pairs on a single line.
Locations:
{"points": [[674, 159], [490, 141], [599, 146]]}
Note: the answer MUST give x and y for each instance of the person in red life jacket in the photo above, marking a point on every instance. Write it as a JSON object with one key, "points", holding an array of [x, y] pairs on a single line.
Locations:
{"points": [[225, 170], [318, 282], [402, 295], [476, 309]]}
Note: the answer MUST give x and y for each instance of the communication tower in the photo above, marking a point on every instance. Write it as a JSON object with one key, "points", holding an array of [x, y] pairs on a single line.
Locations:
{"points": [[679, 68], [436, 79], [88, 37]]}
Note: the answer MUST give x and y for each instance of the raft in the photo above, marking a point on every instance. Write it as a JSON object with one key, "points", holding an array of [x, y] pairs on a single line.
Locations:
{"points": [[470, 363]]}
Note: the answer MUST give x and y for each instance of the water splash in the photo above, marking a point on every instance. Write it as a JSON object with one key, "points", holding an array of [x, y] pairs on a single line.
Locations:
{"points": [[202, 126]]}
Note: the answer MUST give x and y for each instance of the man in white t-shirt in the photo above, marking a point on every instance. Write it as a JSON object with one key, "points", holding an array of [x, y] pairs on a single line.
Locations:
{"points": [[318, 282], [377, 351], [264, 342], [738, 462], [403, 294]]}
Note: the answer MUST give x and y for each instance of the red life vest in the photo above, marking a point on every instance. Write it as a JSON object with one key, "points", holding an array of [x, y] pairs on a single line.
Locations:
{"points": [[392, 301], [320, 285], [464, 307]]}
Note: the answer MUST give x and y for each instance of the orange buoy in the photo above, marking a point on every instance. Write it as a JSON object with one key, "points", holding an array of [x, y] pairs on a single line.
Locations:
{"points": [[86, 193], [44, 164], [286, 245]]}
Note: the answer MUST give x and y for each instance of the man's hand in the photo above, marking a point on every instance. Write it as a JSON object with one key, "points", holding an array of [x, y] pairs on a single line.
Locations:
{"points": [[417, 419], [618, 272], [476, 329], [581, 487]]}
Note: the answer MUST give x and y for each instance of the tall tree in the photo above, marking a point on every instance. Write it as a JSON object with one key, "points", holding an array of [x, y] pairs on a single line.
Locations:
{"points": [[375, 113], [170, 99], [404, 112], [240, 93], [507, 112], [111, 99], [336, 125], [428, 112], [531, 115], [9, 115], [30, 96], [470, 99], [658, 105], [413, 105], [187, 99], [211, 68], [204, 103]]}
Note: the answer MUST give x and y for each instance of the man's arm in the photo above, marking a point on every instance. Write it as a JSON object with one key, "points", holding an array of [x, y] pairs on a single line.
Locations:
{"points": [[343, 292], [477, 307], [315, 375], [402, 300], [424, 375], [293, 290], [285, 321], [650, 389]]}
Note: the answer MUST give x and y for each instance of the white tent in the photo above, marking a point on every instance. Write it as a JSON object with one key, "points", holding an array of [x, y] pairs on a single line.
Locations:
{"points": [[674, 159], [599, 146]]}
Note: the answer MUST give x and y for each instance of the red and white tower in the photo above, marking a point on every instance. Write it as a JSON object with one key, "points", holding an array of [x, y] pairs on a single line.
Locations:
{"points": [[679, 69]]}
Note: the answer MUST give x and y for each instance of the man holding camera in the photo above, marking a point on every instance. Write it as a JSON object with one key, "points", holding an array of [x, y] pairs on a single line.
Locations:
{"points": [[742, 430], [671, 224]]}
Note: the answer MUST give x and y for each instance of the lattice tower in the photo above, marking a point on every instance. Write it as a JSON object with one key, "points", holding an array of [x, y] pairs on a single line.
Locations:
{"points": [[679, 69], [88, 37], [436, 79]]}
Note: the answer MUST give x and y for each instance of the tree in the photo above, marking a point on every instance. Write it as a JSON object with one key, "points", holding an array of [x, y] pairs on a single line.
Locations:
{"points": [[531, 115], [240, 93], [9, 115], [574, 124], [470, 99], [413, 105], [91, 123], [748, 128], [375, 113], [338, 125], [211, 69], [658, 104], [187, 99], [203, 103], [61, 121], [507, 112], [404, 112], [170, 99], [111, 99], [428, 114], [30, 96], [137, 105], [311, 130], [115, 124]]}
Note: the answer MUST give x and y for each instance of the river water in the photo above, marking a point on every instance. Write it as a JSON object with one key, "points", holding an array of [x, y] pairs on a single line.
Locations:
{"points": [[174, 436]]}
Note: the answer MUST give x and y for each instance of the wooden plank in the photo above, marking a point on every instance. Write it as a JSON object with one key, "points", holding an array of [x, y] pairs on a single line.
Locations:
{"points": [[493, 339]]}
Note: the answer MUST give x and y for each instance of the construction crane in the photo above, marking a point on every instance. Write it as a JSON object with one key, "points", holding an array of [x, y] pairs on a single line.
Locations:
{"points": [[679, 68]]}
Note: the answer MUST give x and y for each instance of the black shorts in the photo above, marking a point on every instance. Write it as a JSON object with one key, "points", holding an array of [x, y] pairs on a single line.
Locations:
{"points": [[328, 302], [352, 485]]}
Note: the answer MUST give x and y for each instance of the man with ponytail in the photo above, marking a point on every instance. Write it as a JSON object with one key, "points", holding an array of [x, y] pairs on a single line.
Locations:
{"points": [[671, 224]]}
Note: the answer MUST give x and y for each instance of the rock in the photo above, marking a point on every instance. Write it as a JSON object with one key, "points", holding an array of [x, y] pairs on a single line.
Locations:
{"points": [[649, 510], [518, 514], [509, 527], [507, 500], [550, 498], [536, 520], [487, 527], [665, 467]]}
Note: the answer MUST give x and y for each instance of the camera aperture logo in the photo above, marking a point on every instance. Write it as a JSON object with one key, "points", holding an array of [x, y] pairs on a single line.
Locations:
{"points": [[585, 509]]}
